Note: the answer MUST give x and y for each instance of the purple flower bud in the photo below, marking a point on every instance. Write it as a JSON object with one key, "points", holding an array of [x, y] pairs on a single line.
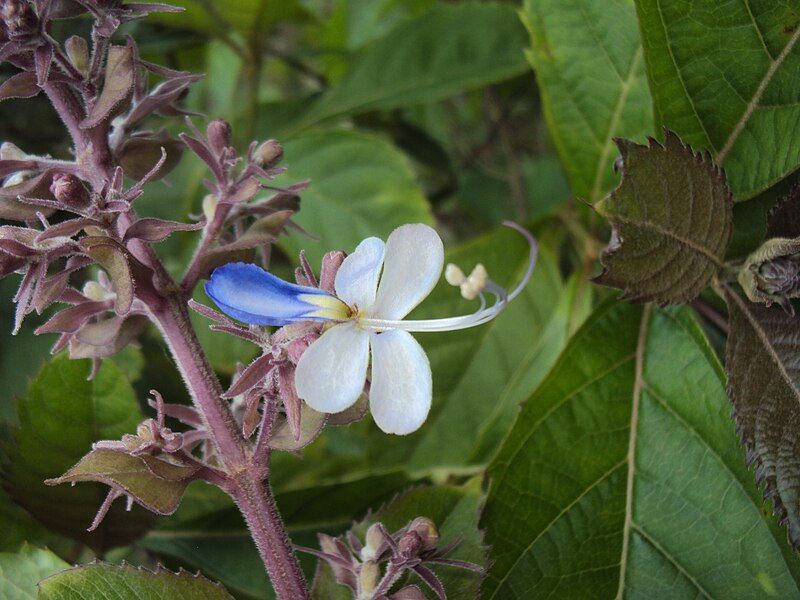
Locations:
{"points": [[219, 135], [268, 154], [410, 545], [68, 190], [426, 530]]}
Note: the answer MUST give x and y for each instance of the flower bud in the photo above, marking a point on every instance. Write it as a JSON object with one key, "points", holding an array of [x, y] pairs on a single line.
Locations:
{"points": [[374, 543], [772, 272], [410, 545], [9, 151], [268, 154], [78, 53], [95, 291], [369, 576], [219, 135], [68, 190], [426, 530], [210, 202]]}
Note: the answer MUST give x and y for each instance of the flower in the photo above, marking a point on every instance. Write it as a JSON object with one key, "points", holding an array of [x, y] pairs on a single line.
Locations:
{"points": [[376, 287]]}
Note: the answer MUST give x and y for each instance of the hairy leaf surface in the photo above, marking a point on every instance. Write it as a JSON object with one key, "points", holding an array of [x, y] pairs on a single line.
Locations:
{"points": [[622, 475], [20, 571], [588, 62], [671, 222], [112, 582], [724, 76], [764, 386]]}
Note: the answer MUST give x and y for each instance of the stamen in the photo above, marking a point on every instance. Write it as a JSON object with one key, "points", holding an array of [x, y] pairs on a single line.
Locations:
{"points": [[479, 317]]}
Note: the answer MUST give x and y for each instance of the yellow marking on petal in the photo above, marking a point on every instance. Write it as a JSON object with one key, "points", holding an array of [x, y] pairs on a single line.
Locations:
{"points": [[329, 307]]}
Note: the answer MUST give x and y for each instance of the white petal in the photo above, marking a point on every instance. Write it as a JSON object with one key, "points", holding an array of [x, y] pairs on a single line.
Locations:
{"points": [[357, 278], [401, 388], [331, 372], [412, 265]]}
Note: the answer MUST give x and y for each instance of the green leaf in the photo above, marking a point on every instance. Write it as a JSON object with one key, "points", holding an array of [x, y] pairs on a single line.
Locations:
{"points": [[154, 483], [62, 415], [360, 186], [764, 386], [216, 540], [671, 218], [622, 475], [724, 76], [589, 66], [455, 511], [449, 49], [21, 571], [111, 582], [18, 528]]}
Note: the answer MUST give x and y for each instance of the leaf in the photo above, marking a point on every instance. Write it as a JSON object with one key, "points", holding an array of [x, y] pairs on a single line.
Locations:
{"points": [[216, 540], [447, 50], [455, 511], [588, 62], [764, 387], [120, 582], [112, 256], [155, 484], [21, 85], [360, 186], [22, 570], [725, 80], [59, 419], [622, 475], [117, 86], [671, 218]]}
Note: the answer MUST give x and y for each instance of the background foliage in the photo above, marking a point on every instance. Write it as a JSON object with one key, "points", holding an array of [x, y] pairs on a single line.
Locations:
{"points": [[621, 474]]}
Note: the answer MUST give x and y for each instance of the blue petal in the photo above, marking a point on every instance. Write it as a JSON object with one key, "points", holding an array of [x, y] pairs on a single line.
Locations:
{"points": [[250, 294]]}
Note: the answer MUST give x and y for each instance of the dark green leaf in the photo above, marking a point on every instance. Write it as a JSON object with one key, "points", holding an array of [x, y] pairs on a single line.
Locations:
{"points": [[111, 582], [447, 50], [588, 62], [360, 186], [622, 475], [671, 219], [724, 76], [59, 419], [22, 570], [764, 385]]}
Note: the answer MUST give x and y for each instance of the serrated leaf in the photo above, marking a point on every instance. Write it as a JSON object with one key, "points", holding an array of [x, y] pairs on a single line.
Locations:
{"points": [[152, 482], [588, 62], [622, 475], [59, 419], [764, 387], [360, 186], [724, 76], [447, 50], [112, 582], [21, 571], [455, 511], [671, 223]]}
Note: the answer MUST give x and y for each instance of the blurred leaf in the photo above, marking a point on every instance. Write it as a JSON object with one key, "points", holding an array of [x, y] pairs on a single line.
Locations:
{"points": [[724, 76], [21, 571], [761, 362], [368, 20], [622, 475], [217, 541], [455, 511], [360, 186], [18, 527], [111, 582], [671, 223], [447, 50], [588, 62], [59, 419]]}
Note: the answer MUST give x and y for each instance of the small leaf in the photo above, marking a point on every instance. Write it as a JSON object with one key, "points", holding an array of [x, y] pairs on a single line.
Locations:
{"points": [[156, 230], [153, 483], [141, 152], [21, 571], [764, 387], [671, 222], [117, 85], [21, 85], [59, 419], [113, 257], [121, 582], [311, 423]]}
